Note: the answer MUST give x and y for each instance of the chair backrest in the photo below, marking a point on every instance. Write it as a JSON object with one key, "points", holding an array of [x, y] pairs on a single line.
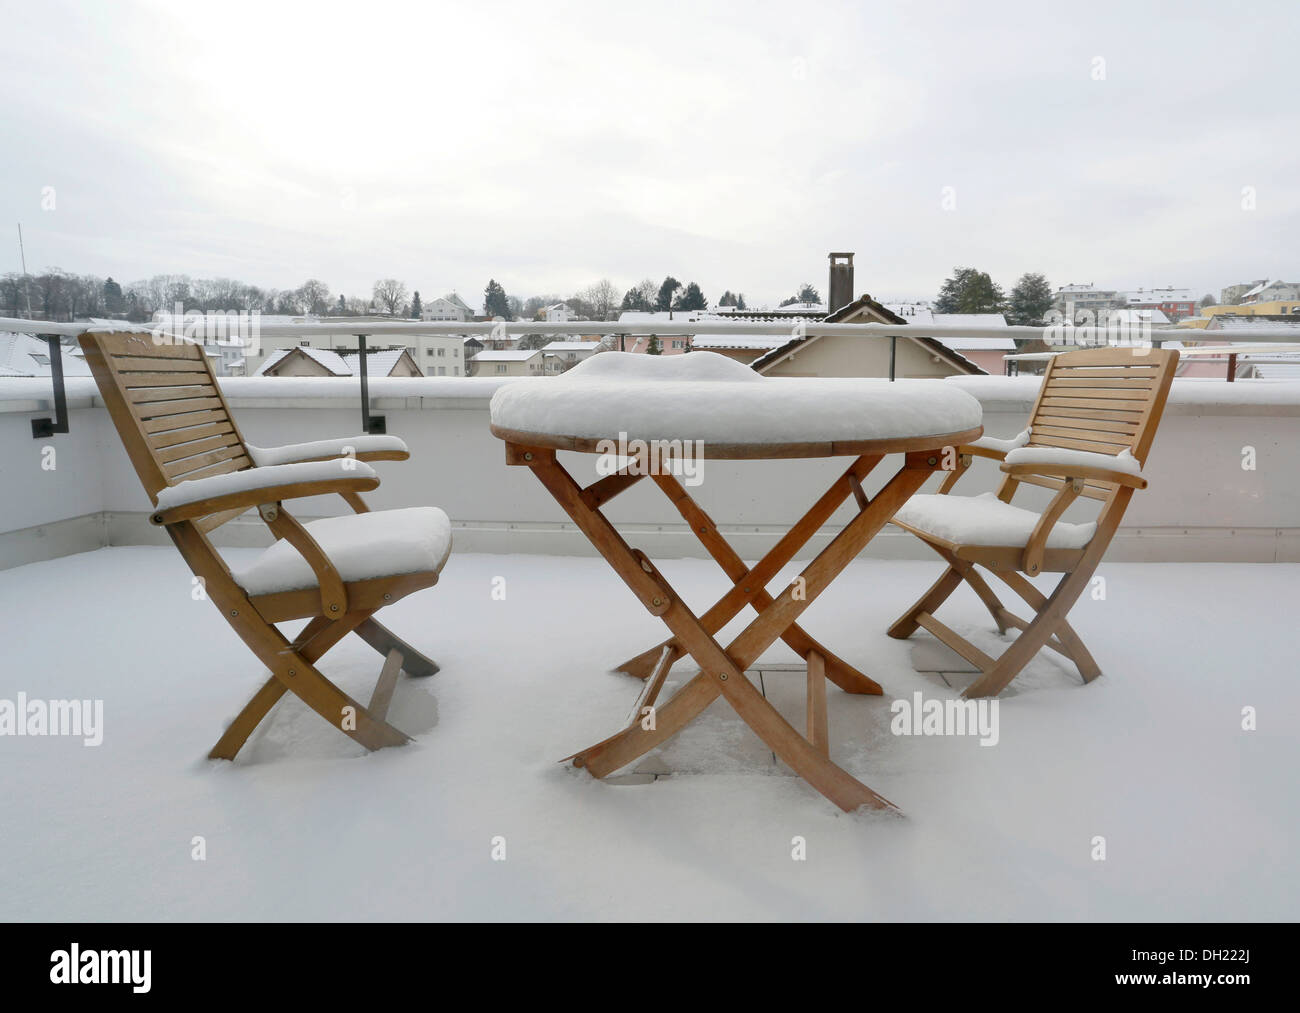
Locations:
{"points": [[168, 409], [1103, 400]]}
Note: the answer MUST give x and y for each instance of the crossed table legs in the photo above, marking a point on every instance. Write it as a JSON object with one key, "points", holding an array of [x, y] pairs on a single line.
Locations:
{"points": [[722, 670]]}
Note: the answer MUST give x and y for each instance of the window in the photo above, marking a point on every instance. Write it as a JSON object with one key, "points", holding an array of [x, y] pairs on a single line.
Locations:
{"points": [[429, 352], [442, 370], [501, 368], [441, 352], [455, 371]]}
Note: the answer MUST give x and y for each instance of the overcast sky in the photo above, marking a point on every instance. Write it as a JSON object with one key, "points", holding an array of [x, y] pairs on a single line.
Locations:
{"points": [[550, 144]]}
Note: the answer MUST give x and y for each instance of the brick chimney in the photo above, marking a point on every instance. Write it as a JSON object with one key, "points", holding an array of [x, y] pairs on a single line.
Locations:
{"points": [[840, 292]]}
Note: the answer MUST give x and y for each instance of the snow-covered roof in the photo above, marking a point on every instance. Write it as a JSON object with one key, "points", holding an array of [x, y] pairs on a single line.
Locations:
{"points": [[378, 363], [24, 355], [330, 361], [1157, 295], [570, 346], [1140, 316], [511, 356], [760, 341]]}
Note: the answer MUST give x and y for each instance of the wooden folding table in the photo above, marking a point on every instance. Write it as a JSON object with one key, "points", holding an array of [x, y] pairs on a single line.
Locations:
{"points": [[547, 404]]}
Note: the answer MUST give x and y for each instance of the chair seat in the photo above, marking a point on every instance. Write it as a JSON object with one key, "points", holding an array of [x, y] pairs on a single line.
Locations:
{"points": [[985, 520], [383, 543]]}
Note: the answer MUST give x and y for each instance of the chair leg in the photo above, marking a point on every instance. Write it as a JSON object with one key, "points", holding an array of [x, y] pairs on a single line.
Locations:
{"points": [[309, 685], [907, 623], [1034, 637], [385, 641], [1069, 642]]}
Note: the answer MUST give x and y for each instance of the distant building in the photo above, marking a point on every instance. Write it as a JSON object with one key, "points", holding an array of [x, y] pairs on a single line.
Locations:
{"points": [[560, 356], [987, 353], [561, 313], [306, 361], [1174, 303], [1074, 301], [1231, 295], [24, 355], [1271, 291], [434, 354], [447, 307], [528, 362]]}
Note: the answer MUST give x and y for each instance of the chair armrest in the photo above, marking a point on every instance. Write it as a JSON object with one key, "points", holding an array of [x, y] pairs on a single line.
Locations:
{"points": [[985, 446], [253, 487], [362, 448], [1058, 462], [992, 447]]}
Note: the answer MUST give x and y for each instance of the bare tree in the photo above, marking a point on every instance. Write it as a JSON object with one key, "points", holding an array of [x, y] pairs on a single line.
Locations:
{"points": [[602, 297], [390, 294], [314, 296]]}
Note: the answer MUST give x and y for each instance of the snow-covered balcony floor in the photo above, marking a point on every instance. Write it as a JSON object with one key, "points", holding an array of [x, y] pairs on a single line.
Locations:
{"points": [[1200, 817]]}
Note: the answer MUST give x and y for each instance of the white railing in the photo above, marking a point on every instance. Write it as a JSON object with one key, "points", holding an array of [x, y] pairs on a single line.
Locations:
{"points": [[1056, 334]]}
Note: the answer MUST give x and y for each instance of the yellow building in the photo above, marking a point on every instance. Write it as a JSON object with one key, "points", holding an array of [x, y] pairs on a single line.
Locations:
{"points": [[1277, 307]]}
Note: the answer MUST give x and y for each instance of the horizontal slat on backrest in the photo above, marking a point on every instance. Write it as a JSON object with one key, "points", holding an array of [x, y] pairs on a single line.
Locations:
{"points": [[149, 395], [189, 449], [191, 433], [165, 424], [127, 364], [184, 468], [150, 411]]}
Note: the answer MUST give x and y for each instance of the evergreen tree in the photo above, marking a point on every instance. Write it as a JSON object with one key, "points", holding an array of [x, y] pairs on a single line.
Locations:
{"points": [[416, 308], [636, 302], [728, 298], [970, 291], [112, 296], [495, 301], [342, 307], [691, 299], [740, 302], [1030, 300], [654, 348], [809, 294], [666, 290]]}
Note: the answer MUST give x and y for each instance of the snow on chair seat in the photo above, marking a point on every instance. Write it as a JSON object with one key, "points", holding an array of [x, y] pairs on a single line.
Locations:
{"points": [[986, 520], [722, 403], [365, 546]]}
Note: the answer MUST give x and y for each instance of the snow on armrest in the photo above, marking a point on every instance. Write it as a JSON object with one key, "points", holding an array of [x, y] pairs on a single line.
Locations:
{"points": [[292, 453], [1002, 446], [235, 482], [1059, 457]]}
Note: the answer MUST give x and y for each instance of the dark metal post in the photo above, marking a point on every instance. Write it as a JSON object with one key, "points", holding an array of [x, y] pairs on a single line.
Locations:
{"points": [[893, 351], [42, 428], [365, 384]]}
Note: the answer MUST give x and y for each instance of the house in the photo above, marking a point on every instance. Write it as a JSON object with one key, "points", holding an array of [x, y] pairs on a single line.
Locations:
{"points": [[24, 355], [1271, 291], [987, 353], [434, 354], [560, 356], [515, 362], [561, 313], [843, 355], [1174, 303], [668, 344], [1083, 304], [447, 307], [307, 361], [1233, 293]]}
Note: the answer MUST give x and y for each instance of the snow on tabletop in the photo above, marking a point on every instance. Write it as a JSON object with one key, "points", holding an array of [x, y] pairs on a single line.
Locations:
{"points": [[265, 457], [986, 520], [710, 397], [195, 489], [1002, 446], [1065, 458], [380, 543]]}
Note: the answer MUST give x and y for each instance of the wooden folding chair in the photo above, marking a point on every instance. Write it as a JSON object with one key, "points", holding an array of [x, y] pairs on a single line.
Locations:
{"points": [[338, 572], [1090, 432]]}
